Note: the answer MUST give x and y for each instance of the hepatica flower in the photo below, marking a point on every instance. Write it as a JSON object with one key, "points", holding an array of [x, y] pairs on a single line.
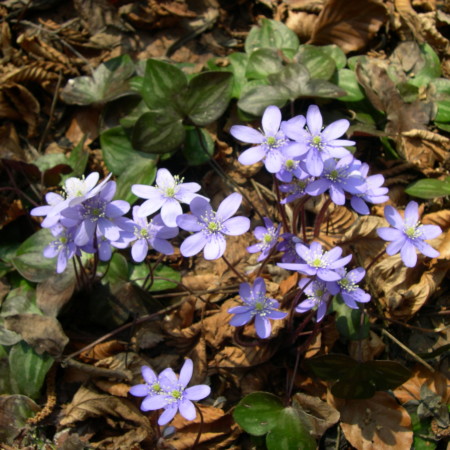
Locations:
{"points": [[257, 305], [267, 237], [317, 297], [169, 392], [317, 262], [348, 287], [62, 247], [319, 144], [271, 141], [167, 195], [211, 227], [408, 234]]}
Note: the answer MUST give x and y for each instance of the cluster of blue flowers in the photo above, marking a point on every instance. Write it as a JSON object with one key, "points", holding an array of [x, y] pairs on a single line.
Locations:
{"points": [[307, 159]]}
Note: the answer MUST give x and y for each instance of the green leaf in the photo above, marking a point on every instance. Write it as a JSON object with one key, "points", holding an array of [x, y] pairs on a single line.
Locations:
{"points": [[78, 159], [118, 152], [336, 53], [443, 126], [208, 96], [156, 133], [193, 149], [289, 432], [142, 170], [29, 260], [108, 82], [429, 188], [28, 369], [346, 80], [348, 321], [358, 379], [140, 271], [263, 62], [257, 99], [118, 269], [238, 64], [272, 34], [317, 61], [257, 412], [20, 301], [163, 86], [45, 162], [431, 67], [7, 337]]}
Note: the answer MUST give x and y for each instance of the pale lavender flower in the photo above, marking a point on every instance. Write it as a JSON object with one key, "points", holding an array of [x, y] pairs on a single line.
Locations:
{"points": [[295, 189], [317, 297], [338, 177], [63, 247], [211, 227], [170, 392], [348, 287], [272, 144], [408, 234], [287, 246], [150, 234], [268, 237], [319, 144], [375, 192], [317, 262], [256, 305], [167, 195], [98, 212], [290, 168]]}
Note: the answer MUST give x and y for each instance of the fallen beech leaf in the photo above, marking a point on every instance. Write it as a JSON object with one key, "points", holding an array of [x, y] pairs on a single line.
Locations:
{"points": [[218, 429], [366, 349], [435, 381], [118, 412], [112, 387], [379, 422], [43, 333], [350, 25], [318, 414], [103, 350]]}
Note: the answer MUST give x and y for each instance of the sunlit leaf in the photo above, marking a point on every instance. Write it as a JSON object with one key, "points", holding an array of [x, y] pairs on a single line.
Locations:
{"points": [[195, 151], [429, 188], [317, 61], [263, 62]]}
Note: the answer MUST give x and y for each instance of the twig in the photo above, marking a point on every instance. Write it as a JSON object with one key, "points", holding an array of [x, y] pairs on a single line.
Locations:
{"points": [[233, 269], [97, 371]]}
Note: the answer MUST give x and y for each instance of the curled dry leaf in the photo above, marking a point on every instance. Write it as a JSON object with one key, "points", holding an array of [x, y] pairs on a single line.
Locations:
{"points": [[379, 422], [318, 414], [301, 23], [436, 382], [119, 413], [103, 350], [43, 333], [350, 25], [366, 349], [217, 431]]}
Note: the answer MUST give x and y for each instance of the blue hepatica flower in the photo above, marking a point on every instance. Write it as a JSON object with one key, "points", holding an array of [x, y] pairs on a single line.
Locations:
{"points": [[167, 195], [408, 234], [317, 297], [319, 144], [150, 234], [338, 177], [348, 287], [272, 146], [169, 392], [287, 247], [211, 227], [268, 237], [63, 247], [317, 262], [257, 305]]}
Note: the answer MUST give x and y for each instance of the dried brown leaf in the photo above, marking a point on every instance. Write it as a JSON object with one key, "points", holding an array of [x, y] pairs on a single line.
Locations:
{"points": [[103, 350], [119, 414], [350, 25], [379, 422], [218, 429], [53, 293], [436, 381], [43, 333], [318, 414], [302, 24], [366, 349]]}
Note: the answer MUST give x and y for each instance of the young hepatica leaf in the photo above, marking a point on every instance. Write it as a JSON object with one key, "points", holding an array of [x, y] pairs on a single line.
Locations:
{"points": [[429, 188], [109, 81], [257, 413]]}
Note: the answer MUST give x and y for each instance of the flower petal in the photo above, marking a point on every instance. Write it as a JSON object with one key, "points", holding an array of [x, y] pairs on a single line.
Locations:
{"points": [[187, 409], [188, 222], [241, 319], [193, 244], [214, 247], [271, 120], [153, 402], [140, 390], [335, 129], [170, 210], [236, 226], [229, 206], [314, 120], [431, 231], [412, 212], [252, 155], [246, 134], [395, 246], [148, 375], [408, 254], [259, 287], [198, 392], [426, 249], [168, 414], [186, 372], [200, 207], [393, 217], [262, 327]]}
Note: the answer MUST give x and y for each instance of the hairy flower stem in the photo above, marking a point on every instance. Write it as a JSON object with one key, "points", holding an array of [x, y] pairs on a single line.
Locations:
{"points": [[220, 171], [294, 304], [200, 428], [374, 260], [239, 338], [233, 269], [281, 207], [320, 217], [266, 260], [84, 278], [299, 211], [150, 275]]}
